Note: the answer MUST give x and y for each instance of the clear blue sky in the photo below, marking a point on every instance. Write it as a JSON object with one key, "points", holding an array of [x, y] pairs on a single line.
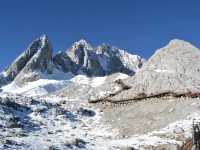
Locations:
{"points": [[140, 26]]}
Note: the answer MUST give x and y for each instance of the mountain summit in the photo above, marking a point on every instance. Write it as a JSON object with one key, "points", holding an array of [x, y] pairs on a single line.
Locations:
{"points": [[173, 70], [37, 56], [80, 58], [177, 56]]}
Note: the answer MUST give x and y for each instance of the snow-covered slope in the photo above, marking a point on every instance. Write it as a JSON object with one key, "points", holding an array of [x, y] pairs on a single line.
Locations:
{"points": [[36, 88], [47, 85]]}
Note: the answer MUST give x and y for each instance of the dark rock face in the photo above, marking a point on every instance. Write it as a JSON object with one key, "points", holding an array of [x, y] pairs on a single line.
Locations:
{"points": [[37, 56], [3, 80], [84, 59], [43, 58], [112, 59], [21, 61], [40, 62], [86, 112], [76, 144], [63, 61], [103, 60]]}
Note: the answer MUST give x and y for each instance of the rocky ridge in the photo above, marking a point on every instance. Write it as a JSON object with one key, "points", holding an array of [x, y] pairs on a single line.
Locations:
{"points": [[38, 60], [172, 71]]}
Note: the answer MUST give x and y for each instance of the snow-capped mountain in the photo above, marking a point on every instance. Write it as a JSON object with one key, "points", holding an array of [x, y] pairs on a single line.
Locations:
{"points": [[36, 58], [37, 82], [81, 58], [99, 98]]}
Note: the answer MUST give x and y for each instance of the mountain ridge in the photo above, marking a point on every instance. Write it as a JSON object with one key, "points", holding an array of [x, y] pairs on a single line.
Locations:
{"points": [[173, 70], [80, 58]]}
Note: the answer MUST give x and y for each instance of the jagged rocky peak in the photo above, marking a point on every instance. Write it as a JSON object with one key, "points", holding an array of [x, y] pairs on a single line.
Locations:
{"points": [[82, 58], [121, 60], [78, 51], [44, 39], [63, 61], [37, 57], [43, 58], [103, 49], [80, 45], [40, 45], [40, 62]]}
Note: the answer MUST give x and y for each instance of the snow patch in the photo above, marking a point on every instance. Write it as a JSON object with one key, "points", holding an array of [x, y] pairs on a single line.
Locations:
{"points": [[161, 70], [94, 82], [36, 88], [129, 61], [122, 76], [3, 74]]}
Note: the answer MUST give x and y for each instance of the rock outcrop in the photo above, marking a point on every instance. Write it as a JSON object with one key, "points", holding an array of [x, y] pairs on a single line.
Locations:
{"points": [[40, 62], [172, 71], [82, 58], [37, 56]]}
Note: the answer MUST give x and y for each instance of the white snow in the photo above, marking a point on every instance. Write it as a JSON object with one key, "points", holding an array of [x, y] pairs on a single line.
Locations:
{"points": [[39, 87], [97, 81], [130, 61], [94, 82], [81, 79], [161, 70], [57, 81], [43, 39], [101, 136], [47, 84], [87, 128], [81, 42], [121, 76], [4, 74]]}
